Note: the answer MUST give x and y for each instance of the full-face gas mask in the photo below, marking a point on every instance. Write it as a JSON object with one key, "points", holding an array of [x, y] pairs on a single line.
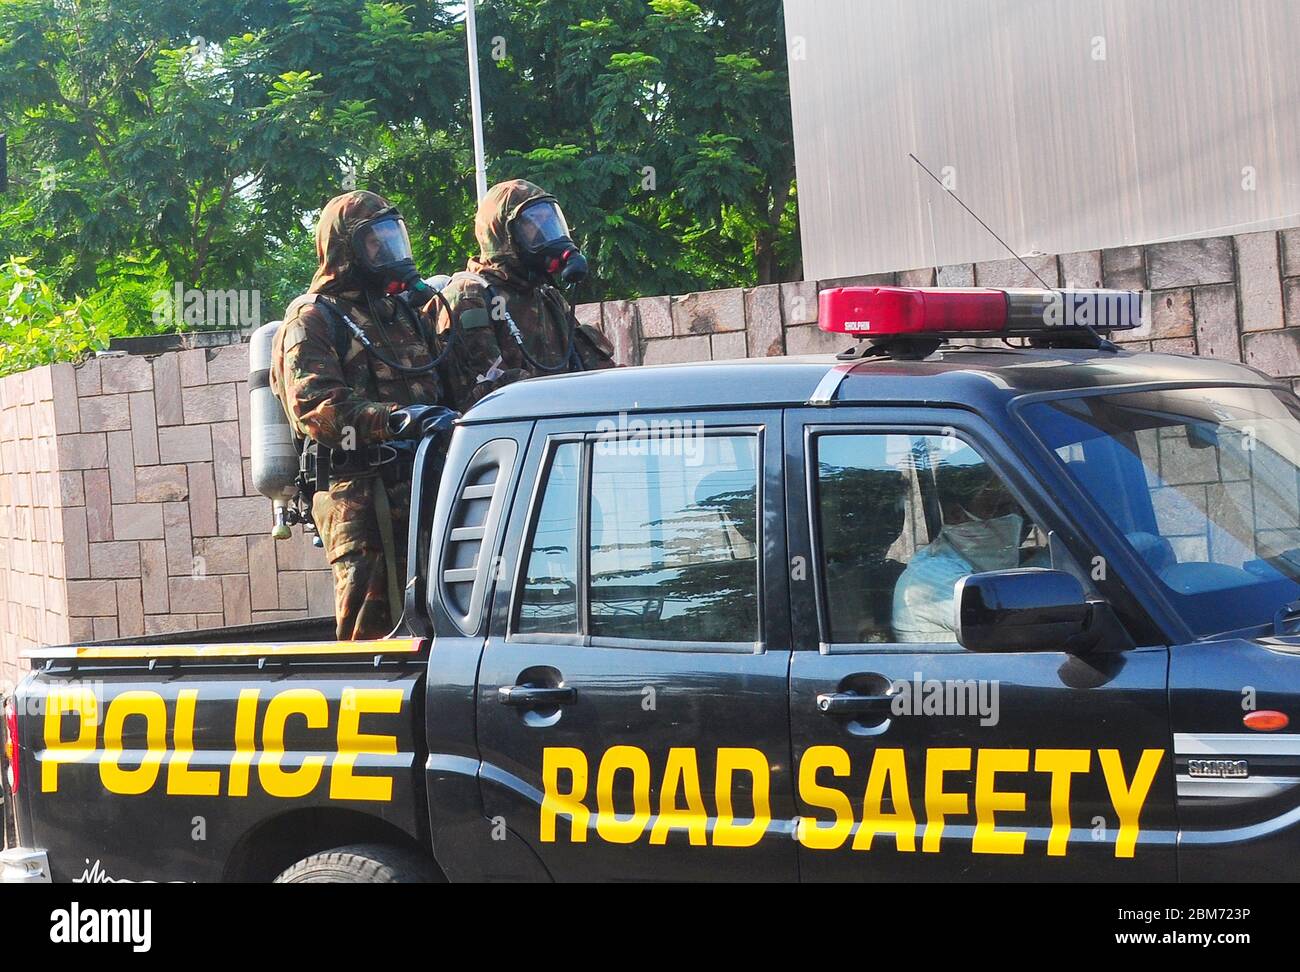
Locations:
{"points": [[382, 250], [542, 234]]}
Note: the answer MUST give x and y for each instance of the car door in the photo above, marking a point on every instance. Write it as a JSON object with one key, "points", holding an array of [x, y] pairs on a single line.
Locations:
{"points": [[631, 706], [917, 759]]}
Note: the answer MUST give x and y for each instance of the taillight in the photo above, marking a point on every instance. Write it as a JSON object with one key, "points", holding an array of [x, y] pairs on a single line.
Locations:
{"points": [[11, 743]]}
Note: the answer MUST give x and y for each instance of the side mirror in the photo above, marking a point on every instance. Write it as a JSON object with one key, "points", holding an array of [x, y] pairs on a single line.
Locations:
{"points": [[1024, 609]]}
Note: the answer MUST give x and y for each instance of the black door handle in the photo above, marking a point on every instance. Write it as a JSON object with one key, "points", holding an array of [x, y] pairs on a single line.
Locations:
{"points": [[852, 704], [536, 696]]}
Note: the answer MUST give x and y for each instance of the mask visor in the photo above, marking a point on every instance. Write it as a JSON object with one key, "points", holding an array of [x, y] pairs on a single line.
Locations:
{"points": [[382, 243], [539, 224]]}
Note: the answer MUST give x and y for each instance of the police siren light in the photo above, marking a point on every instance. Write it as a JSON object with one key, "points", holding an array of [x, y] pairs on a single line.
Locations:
{"points": [[922, 318]]}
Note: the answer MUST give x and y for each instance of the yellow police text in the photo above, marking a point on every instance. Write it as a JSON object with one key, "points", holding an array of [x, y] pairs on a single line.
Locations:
{"points": [[257, 748]]}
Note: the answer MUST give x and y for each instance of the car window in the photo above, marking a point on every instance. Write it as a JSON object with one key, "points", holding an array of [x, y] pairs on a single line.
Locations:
{"points": [[671, 550], [902, 518], [548, 601], [674, 530]]}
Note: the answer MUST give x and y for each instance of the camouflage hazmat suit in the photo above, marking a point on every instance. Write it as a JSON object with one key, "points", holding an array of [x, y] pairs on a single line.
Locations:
{"points": [[485, 356], [344, 402]]}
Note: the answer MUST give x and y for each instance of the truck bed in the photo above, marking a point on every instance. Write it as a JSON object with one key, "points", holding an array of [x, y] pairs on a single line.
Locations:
{"points": [[219, 754], [296, 629]]}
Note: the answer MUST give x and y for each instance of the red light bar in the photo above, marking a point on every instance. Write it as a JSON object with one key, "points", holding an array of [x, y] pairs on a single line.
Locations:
{"points": [[868, 312], [885, 312]]}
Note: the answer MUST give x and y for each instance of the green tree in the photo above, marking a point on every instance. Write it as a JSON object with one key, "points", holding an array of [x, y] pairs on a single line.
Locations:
{"points": [[37, 326], [156, 143], [664, 128], [201, 138]]}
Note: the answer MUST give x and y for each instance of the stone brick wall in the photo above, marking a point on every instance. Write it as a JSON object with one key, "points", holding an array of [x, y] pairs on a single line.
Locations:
{"points": [[1231, 297], [31, 527], [126, 502], [127, 505]]}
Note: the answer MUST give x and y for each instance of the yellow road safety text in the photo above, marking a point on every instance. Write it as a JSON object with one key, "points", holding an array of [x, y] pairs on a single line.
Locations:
{"points": [[909, 811], [681, 802]]}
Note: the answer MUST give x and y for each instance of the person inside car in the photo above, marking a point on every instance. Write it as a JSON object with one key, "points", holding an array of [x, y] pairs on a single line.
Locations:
{"points": [[982, 526]]}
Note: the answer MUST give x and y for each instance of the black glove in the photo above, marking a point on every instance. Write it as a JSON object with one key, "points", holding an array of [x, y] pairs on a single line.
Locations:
{"points": [[417, 421]]}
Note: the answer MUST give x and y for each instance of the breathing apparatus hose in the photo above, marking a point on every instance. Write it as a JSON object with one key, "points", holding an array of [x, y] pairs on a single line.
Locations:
{"points": [[518, 336], [366, 343], [453, 331]]}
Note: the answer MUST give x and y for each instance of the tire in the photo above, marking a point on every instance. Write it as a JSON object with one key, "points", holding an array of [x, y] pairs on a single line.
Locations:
{"points": [[362, 864]]}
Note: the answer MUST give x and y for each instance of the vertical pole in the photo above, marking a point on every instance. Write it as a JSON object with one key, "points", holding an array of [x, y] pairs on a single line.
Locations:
{"points": [[476, 108]]}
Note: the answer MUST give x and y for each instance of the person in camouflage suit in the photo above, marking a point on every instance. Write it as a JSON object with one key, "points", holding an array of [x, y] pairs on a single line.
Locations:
{"points": [[346, 402], [485, 353]]}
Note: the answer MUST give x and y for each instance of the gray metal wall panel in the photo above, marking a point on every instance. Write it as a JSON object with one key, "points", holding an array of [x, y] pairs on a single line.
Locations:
{"points": [[1056, 150]]}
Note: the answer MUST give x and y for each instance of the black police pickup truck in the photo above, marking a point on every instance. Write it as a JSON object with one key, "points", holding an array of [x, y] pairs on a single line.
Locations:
{"points": [[929, 611]]}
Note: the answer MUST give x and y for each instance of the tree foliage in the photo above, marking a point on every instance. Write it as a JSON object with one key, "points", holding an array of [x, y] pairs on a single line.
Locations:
{"points": [[664, 128], [161, 143]]}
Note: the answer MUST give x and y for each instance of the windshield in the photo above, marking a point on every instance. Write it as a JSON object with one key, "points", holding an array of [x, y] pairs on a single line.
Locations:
{"points": [[1202, 484]]}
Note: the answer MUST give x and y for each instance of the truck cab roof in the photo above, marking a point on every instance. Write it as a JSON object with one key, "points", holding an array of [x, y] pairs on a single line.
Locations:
{"points": [[963, 376]]}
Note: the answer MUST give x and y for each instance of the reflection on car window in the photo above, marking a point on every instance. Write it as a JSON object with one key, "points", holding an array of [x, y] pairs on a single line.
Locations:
{"points": [[674, 530], [549, 599], [902, 518]]}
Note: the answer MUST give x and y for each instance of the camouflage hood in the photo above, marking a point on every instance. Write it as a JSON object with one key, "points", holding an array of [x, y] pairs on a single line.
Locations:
{"points": [[498, 254], [337, 273]]}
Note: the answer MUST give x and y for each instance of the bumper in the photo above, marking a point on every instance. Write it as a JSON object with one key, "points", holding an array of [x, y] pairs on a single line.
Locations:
{"points": [[22, 865]]}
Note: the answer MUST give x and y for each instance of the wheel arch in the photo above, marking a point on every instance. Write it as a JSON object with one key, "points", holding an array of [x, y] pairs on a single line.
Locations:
{"points": [[283, 840]]}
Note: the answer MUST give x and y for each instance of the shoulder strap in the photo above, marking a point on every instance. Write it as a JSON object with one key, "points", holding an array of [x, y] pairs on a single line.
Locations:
{"points": [[567, 319], [340, 331]]}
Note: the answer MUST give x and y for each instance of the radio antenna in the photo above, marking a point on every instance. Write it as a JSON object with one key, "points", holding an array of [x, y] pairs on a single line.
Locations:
{"points": [[1101, 343], [986, 226]]}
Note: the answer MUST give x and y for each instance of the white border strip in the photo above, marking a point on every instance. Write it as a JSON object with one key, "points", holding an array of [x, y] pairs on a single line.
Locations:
{"points": [[824, 393], [1236, 744], [1235, 788]]}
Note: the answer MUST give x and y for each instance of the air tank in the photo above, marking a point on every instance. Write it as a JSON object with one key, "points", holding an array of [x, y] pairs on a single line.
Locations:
{"points": [[275, 460]]}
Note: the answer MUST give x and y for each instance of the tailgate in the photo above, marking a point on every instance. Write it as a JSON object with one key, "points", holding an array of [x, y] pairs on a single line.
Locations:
{"points": [[153, 762]]}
